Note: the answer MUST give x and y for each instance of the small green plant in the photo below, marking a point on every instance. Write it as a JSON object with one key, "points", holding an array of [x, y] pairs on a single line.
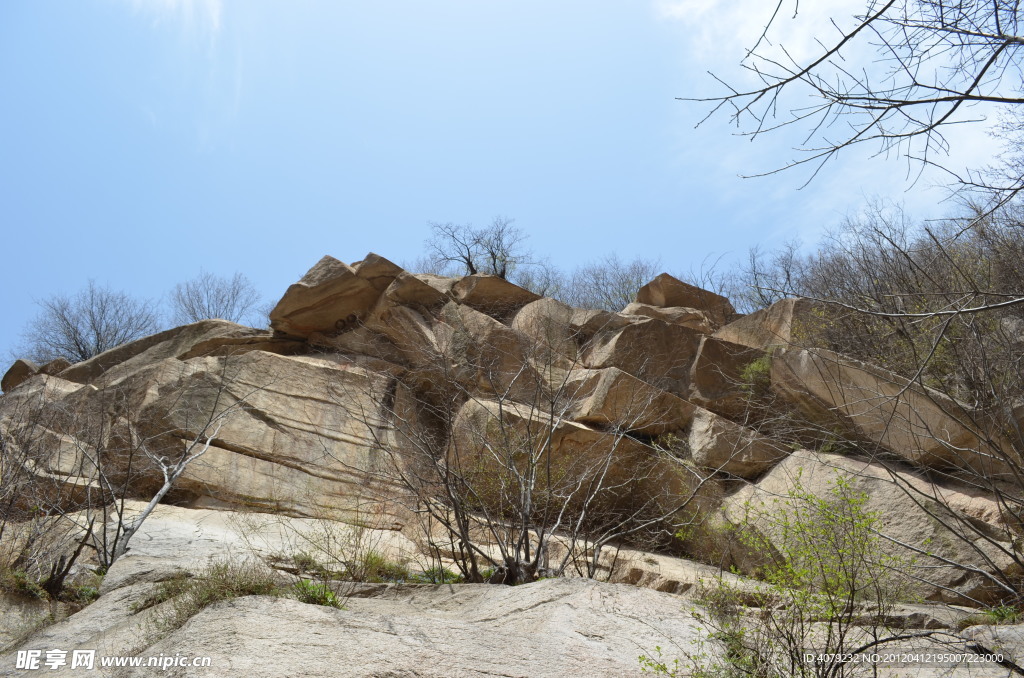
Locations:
{"points": [[441, 575], [824, 564], [657, 666], [307, 563], [1001, 614], [222, 580], [1004, 614], [756, 376], [80, 594], [20, 582], [374, 566], [315, 593]]}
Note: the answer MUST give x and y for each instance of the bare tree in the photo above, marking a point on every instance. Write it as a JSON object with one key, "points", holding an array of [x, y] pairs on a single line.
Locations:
{"points": [[609, 284], [211, 296], [940, 307], [481, 434], [929, 64], [87, 324], [496, 250], [72, 461]]}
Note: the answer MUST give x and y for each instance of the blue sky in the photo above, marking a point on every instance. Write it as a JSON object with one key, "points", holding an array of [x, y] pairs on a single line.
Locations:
{"points": [[143, 140]]}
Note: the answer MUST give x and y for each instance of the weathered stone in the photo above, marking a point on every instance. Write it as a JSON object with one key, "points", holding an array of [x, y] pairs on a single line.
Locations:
{"points": [[666, 291], [651, 350], [492, 295], [298, 436], [495, 440], [421, 291], [225, 346], [332, 296], [717, 444], [687, 317], [117, 363], [777, 325], [407, 330], [568, 331], [611, 398], [482, 354], [377, 271], [21, 370], [909, 512], [549, 629], [55, 366], [717, 379], [916, 423]]}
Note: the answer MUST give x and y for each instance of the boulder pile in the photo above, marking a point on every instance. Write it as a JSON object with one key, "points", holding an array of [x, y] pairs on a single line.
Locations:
{"points": [[678, 375]]}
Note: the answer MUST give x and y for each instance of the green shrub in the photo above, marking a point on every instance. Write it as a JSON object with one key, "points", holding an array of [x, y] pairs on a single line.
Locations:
{"points": [[756, 376], [825, 565], [1001, 614], [441, 575], [20, 582], [658, 667], [80, 594], [374, 566], [315, 593], [222, 580], [307, 563]]}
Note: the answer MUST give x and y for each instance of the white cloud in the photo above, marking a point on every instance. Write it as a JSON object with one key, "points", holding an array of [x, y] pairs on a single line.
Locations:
{"points": [[196, 17], [715, 35], [718, 32]]}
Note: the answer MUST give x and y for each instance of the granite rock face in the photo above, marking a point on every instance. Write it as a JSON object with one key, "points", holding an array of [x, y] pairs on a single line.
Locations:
{"points": [[367, 356]]}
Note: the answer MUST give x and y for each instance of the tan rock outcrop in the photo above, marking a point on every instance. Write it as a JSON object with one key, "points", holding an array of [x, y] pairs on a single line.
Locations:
{"points": [[717, 379], [298, 436], [560, 328], [687, 317], [581, 460], [717, 444], [332, 296], [777, 325], [651, 350], [420, 291], [916, 423], [482, 354], [666, 291], [17, 373], [611, 398], [492, 295], [111, 366], [908, 513], [300, 441]]}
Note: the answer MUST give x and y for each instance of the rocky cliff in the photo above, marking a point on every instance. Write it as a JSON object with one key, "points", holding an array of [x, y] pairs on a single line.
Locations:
{"points": [[683, 413]]}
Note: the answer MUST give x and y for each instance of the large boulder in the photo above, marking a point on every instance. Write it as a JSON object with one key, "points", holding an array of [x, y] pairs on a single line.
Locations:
{"points": [[332, 296], [492, 295], [719, 377], [687, 317], [499, 442], [17, 373], [569, 331], [717, 444], [111, 366], [919, 424], [781, 324], [651, 350], [293, 434], [421, 291], [612, 399], [666, 291], [949, 549], [481, 354]]}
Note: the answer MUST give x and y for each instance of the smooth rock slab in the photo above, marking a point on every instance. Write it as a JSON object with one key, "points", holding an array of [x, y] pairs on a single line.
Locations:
{"points": [[556, 627]]}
